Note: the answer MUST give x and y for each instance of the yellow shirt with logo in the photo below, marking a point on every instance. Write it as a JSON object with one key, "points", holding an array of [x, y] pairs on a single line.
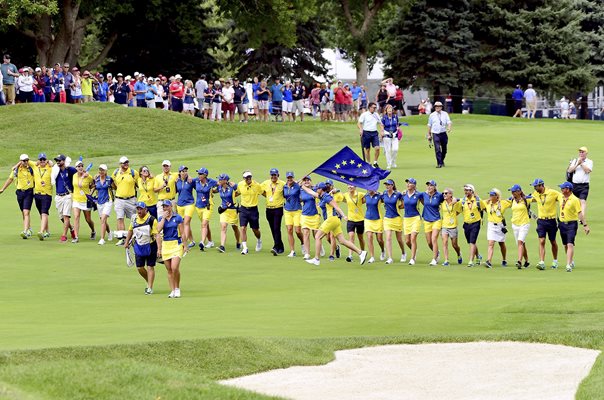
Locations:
{"points": [[470, 209], [546, 202], [274, 193], [495, 210], [249, 193], [449, 214], [125, 183], [169, 192], [23, 176], [569, 208], [42, 178], [355, 206], [81, 187], [520, 214], [146, 191]]}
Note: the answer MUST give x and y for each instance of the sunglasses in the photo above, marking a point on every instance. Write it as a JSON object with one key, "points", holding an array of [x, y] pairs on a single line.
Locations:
{"points": [[274, 175], [446, 193], [42, 159], [126, 162], [26, 160]]}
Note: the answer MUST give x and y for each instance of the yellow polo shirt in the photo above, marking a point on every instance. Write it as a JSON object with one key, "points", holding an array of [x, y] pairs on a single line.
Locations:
{"points": [[79, 193], [146, 191], [569, 208], [470, 209], [520, 212], [249, 193], [495, 210], [125, 183], [449, 214], [338, 197], [42, 179], [355, 206], [140, 220], [273, 193], [546, 202], [169, 192], [24, 177]]}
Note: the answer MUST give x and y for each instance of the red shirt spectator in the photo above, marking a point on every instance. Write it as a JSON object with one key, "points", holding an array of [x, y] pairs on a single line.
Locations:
{"points": [[177, 89], [399, 94], [340, 96]]}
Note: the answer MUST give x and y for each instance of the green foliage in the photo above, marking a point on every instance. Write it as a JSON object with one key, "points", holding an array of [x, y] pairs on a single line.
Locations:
{"points": [[12, 10]]}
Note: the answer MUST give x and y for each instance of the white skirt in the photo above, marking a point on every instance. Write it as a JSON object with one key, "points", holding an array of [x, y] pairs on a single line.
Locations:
{"points": [[494, 232]]}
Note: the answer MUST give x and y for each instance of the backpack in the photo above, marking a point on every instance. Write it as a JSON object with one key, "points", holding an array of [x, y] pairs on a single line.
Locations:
{"points": [[118, 170]]}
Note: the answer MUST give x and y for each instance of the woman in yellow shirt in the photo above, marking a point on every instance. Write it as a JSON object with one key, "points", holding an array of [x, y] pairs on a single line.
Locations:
{"points": [[146, 185], [449, 210], [520, 223], [495, 207], [82, 186]]}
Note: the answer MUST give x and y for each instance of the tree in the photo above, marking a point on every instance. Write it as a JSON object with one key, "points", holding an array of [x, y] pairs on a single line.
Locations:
{"points": [[12, 10], [434, 43]]}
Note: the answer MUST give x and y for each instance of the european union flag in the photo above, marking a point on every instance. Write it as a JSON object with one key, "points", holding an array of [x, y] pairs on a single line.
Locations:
{"points": [[346, 167]]}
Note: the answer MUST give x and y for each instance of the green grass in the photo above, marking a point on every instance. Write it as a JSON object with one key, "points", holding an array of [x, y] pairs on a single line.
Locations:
{"points": [[75, 324]]}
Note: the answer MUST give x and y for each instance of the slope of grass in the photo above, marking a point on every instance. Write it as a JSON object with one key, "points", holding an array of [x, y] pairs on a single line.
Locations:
{"points": [[244, 314]]}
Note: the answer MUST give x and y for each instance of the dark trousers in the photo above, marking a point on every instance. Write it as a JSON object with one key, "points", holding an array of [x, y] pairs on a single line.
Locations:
{"points": [[274, 216], [440, 147]]}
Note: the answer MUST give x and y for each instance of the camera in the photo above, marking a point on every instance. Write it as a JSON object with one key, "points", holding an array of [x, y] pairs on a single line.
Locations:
{"points": [[504, 229]]}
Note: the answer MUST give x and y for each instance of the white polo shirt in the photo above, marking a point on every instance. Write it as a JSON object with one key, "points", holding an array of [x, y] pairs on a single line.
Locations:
{"points": [[530, 94], [580, 176], [370, 121], [438, 121]]}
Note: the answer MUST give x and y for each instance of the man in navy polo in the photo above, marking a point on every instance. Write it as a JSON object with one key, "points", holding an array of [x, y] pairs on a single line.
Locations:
{"points": [[63, 190], [120, 91]]}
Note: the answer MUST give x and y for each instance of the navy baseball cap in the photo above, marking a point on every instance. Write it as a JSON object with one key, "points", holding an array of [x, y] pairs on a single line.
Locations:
{"points": [[321, 185], [141, 204], [515, 188], [431, 182], [223, 177], [537, 181], [60, 157], [202, 170], [166, 203], [566, 185], [274, 171], [182, 168], [388, 182], [42, 156], [307, 177], [411, 180], [289, 174], [328, 182], [493, 193]]}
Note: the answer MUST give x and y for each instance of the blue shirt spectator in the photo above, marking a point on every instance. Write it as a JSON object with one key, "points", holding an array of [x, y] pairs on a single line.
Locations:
{"points": [[287, 94], [356, 92], [120, 92], [140, 86], [276, 92], [517, 94]]}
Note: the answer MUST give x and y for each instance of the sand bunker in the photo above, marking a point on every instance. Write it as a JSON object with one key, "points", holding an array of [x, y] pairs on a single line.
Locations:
{"points": [[480, 370]]}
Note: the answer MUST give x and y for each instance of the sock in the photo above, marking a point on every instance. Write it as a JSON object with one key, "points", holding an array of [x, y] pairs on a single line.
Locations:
{"points": [[244, 245]]}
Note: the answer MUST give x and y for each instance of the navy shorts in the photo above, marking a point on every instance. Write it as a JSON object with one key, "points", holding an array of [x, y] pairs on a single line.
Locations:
{"points": [[581, 190], [547, 227], [518, 104], [176, 104], [568, 231], [357, 227], [370, 139], [149, 260], [25, 198], [249, 215], [43, 202], [471, 231]]}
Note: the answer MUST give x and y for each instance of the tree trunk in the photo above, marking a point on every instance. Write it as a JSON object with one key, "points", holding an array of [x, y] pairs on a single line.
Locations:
{"points": [[584, 106], [362, 69]]}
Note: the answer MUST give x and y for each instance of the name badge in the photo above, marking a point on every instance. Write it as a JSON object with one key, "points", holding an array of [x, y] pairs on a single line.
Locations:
{"points": [[451, 221], [270, 198]]}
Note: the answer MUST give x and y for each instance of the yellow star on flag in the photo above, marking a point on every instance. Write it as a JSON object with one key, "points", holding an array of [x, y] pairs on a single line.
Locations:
{"points": [[342, 176], [337, 166], [333, 171], [359, 165], [351, 179], [352, 162], [344, 162], [364, 171]]}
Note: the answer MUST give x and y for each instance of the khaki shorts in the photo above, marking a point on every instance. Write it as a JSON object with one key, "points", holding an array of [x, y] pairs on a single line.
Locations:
{"points": [[9, 93], [63, 205], [125, 208]]}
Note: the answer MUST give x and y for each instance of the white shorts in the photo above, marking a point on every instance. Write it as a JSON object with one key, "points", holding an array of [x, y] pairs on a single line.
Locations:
{"points": [[287, 106], [521, 232], [494, 232], [298, 105], [105, 208], [188, 107], [63, 205], [80, 205], [125, 208]]}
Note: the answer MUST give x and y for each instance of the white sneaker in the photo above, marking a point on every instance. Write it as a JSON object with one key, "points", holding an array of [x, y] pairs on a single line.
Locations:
{"points": [[291, 254], [363, 256], [303, 251], [322, 251], [120, 242], [306, 256], [171, 295], [76, 240], [389, 261], [388, 167], [259, 245], [433, 262], [404, 258], [382, 256], [371, 260], [313, 261], [394, 165], [102, 241], [110, 236], [176, 293], [244, 251], [412, 262], [209, 245]]}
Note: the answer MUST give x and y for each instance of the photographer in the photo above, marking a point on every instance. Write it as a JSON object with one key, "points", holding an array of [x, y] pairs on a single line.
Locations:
{"points": [[439, 126], [579, 170], [165, 185], [495, 207]]}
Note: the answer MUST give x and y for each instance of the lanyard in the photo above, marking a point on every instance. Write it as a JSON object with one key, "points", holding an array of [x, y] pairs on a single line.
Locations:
{"points": [[352, 199], [42, 172], [145, 184], [542, 198]]}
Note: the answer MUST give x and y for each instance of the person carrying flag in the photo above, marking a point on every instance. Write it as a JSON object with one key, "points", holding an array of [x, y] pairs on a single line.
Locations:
{"points": [[142, 235], [331, 224]]}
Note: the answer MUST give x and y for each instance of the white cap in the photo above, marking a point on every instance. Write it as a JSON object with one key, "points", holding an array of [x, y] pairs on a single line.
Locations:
{"points": [[123, 159], [247, 174], [38, 69], [103, 167], [469, 186], [136, 74], [177, 76], [79, 162], [23, 157], [166, 162]]}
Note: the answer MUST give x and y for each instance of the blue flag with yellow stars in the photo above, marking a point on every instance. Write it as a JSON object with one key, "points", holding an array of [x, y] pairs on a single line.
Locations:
{"points": [[347, 167]]}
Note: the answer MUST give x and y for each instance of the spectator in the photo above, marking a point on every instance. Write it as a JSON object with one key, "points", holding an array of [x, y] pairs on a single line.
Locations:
{"points": [[208, 98], [465, 106], [564, 108], [25, 87], [228, 102], [67, 80], [363, 100], [356, 100], [315, 100], [400, 101], [324, 105], [449, 103], [339, 102], [9, 73], [217, 102], [76, 86], [39, 85], [255, 87], [177, 92], [86, 83], [287, 104], [102, 89], [391, 92], [239, 96], [159, 95], [298, 95], [517, 96], [348, 102], [120, 91], [277, 97], [200, 87], [381, 98], [140, 90], [531, 101], [151, 93]]}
